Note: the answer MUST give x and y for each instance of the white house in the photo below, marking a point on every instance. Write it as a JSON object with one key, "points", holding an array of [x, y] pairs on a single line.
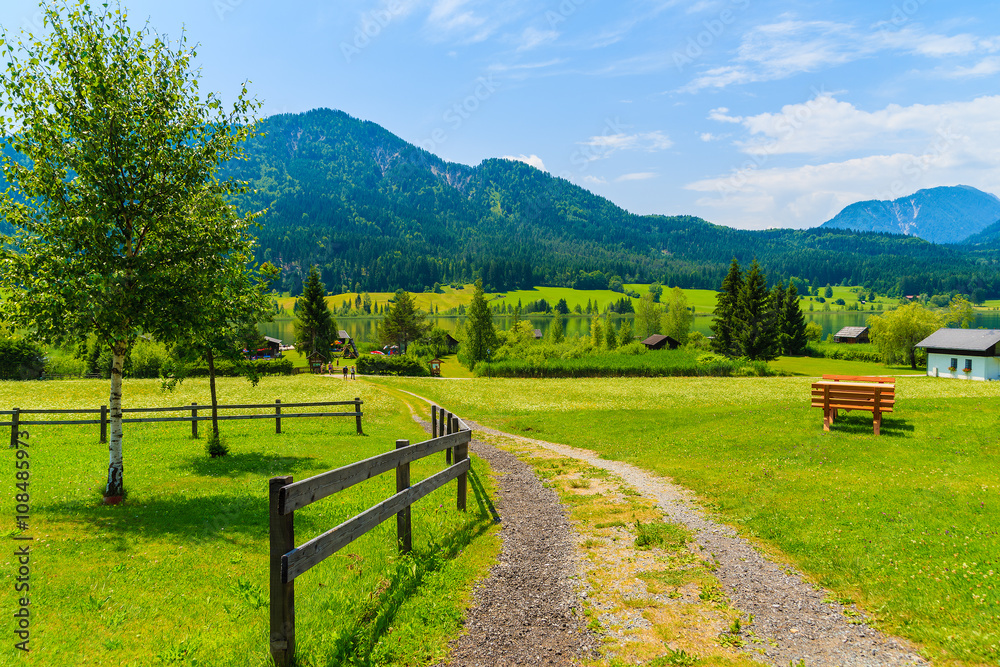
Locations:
{"points": [[967, 354]]}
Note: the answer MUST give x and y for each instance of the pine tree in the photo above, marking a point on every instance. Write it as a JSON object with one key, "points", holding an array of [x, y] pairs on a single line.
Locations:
{"points": [[315, 329], [724, 341], [794, 325], [778, 307], [754, 318], [610, 336], [596, 332], [481, 335], [556, 333], [403, 322]]}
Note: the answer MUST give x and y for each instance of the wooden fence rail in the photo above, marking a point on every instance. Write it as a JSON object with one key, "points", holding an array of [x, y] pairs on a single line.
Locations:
{"points": [[288, 561], [277, 415]]}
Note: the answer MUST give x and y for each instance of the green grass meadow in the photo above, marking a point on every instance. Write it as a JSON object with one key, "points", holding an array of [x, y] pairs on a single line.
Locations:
{"points": [[178, 574], [904, 524]]}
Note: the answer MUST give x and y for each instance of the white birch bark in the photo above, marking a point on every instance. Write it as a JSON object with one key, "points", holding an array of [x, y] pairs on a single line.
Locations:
{"points": [[115, 465]]}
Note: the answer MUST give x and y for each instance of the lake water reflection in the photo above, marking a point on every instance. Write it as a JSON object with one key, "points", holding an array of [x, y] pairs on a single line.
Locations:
{"points": [[365, 328]]}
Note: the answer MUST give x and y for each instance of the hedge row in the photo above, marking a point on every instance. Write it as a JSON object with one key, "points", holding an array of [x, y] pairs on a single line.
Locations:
{"points": [[377, 364]]}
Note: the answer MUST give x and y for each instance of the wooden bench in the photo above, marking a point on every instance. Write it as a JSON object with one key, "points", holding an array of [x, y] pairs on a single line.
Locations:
{"points": [[833, 394]]}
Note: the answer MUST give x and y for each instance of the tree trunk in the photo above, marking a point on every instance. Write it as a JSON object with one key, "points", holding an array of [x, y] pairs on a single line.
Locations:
{"points": [[210, 358], [913, 358], [116, 469]]}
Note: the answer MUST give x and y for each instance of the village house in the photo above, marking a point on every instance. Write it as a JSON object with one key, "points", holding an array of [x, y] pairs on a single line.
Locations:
{"points": [[969, 354], [659, 341]]}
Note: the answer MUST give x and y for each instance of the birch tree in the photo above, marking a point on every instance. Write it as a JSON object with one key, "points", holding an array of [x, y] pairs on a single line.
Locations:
{"points": [[111, 154]]}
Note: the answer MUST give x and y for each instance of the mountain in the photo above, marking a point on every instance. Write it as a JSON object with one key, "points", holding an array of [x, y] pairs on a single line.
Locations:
{"points": [[376, 213], [948, 214]]}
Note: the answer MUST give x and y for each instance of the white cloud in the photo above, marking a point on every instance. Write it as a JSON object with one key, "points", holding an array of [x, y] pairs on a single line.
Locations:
{"points": [[985, 67], [595, 180], [826, 126], [532, 159], [605, 145], [708, 136], [788, 47], [637, 176], [857, 155], [532, 38]]}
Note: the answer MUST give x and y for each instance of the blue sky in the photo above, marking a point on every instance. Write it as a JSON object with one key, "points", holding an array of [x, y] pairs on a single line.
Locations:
{"points": [[748, 113]]}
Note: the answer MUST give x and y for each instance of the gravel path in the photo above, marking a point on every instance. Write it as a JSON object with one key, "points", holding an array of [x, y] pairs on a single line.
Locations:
{"points": [[786, 609], [526, 611]]}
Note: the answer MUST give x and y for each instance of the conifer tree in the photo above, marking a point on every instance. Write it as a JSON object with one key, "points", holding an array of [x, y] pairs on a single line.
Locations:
{"points": [[315, 329], [596, 332], [754, 318], [724, 341], [610, 336], [556, 333], [778, 307], [794, 324], [481, 335], [403, 321]]}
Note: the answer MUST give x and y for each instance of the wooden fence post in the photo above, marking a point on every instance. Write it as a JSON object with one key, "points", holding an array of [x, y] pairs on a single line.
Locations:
{"points": [[449, 425], [15, 420], [461, 453], [357, 417], [104, 424], [434, 421], [277, 415], [282, 594], [404, 534], [194, 421]]}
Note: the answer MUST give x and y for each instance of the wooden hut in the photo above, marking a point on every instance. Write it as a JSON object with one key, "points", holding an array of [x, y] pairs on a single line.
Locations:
{"points": [[316, 361], [659, 341], [851, 335]]}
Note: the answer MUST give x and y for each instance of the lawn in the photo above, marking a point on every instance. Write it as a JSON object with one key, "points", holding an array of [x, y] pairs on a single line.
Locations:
{"points": [[904, 524], [179, 573], [818, 366]]}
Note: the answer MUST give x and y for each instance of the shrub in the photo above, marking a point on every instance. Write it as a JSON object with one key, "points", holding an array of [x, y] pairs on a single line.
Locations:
{"points": [[377, 364], [20, 359]]}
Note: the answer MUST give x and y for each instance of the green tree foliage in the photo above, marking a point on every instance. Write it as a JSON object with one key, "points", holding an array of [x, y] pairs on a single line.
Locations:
{"points": [[677, 319], [647, 316], [556, 331], [403, 322], [610, 335], [756, 323], [895, 333], [814, 331], [596, 333], [625, 335], [724, 325], [481, 335], [315, 328], [828, 292], [656, 289], [115, 203], [20, 359], [960, 312], [792, 322]]}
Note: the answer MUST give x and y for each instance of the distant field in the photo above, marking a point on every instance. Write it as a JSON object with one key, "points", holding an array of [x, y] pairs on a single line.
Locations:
{"points": [[702, 300], [905, 524]]}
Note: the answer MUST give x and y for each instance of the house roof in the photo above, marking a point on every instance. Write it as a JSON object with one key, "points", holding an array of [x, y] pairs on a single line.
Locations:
{"points": [[973, 340], [656, 339], [272, 340], [851, 332], [343, 334]]}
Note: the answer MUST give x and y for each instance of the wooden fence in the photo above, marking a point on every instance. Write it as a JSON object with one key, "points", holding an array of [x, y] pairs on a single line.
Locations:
{"points": [[288, 561], [16, 415]]}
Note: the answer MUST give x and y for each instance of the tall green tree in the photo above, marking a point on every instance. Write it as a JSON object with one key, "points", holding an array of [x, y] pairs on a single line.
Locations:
{"points": [[724, 325], [596, 333], [756, 325], [113, 204], [647, 316], [315, 328], [677, 319], [793, 323], [403, 322], [895, 333], [610, 335], [481, 335], [778, 306]]}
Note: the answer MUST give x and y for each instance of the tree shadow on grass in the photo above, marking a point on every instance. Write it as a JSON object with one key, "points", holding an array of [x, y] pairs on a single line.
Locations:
{"points": [[372, 617], [860, 423], [252, 463]]}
